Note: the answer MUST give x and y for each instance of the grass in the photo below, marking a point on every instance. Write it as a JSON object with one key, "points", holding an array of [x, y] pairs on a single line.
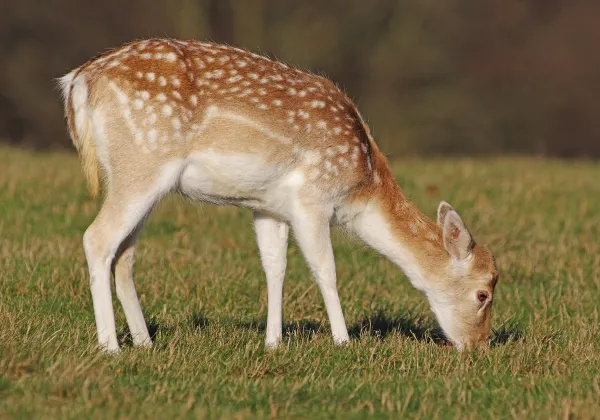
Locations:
{"points": [[202, 289]]}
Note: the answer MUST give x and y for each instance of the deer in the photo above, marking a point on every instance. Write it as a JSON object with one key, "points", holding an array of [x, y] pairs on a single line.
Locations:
{"points": [[223, 125]]}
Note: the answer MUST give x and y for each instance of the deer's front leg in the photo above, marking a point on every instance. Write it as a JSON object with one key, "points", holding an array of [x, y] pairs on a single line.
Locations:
{"points": [[272, 238], [312, 231]]}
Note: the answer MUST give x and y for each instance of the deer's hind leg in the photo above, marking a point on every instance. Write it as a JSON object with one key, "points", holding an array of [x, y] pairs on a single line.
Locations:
{"points": [[123, 273], [128, 202]]}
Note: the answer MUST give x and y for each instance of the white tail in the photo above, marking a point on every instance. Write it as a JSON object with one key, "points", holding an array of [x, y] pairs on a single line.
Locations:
{"points": [[75, 96], [222, 125]]}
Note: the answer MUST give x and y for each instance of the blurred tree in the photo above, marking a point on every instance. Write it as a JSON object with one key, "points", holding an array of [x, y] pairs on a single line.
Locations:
{"points": [[430, 77], [220, 18]]}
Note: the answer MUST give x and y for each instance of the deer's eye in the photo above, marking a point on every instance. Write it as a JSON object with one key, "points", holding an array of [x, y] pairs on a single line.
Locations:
{"points": [[482, 295]]}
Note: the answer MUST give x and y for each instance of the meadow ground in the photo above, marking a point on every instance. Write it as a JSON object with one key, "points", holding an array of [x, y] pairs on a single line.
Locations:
{"points": [[202, 290]]}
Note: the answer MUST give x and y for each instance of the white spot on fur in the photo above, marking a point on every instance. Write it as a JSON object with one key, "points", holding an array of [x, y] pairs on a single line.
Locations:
{"points": [[328, 166], [176, 123], [151, 119], [122, 96], [138, 138], [312, 157], [199, 63], [167, 110], [303, 114], [215, 74], [343, 148], [152, 136]]}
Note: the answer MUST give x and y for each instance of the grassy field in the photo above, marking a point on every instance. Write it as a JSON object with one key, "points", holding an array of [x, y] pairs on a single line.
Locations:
{"points": [[202, 290]]}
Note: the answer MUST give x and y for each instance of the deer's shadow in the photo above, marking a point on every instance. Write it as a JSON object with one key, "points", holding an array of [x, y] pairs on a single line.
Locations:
{"points": [[378, 325]]}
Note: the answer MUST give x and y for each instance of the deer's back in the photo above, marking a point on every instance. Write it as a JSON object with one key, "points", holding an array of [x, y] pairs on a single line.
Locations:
{"points": [[246, 118]]}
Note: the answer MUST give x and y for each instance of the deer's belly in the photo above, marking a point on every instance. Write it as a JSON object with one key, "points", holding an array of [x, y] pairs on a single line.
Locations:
{"points": [[236, 179]]}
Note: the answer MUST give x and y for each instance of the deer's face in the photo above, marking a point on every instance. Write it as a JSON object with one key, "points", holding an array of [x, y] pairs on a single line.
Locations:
{"points": [[463, 293]]}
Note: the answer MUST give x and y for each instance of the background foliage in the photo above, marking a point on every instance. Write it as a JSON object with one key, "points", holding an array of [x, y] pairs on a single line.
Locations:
{"points": [[431, 77]]}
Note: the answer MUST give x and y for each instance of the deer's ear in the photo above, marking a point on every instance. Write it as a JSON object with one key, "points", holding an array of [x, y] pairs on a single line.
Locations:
{"points": [[457, 238], [442, 210]]}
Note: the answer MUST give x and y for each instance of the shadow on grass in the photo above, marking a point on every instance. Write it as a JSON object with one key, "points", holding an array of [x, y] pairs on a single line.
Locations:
{"points": [[378, 324], [154, 328], [505, 335]]}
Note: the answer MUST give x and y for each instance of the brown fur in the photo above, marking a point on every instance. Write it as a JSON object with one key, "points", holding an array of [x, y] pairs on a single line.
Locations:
{"points": [[407, 222], [335, 109]]}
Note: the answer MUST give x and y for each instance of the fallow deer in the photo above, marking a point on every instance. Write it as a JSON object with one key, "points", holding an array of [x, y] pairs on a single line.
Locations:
{"points": [[222, 125]]}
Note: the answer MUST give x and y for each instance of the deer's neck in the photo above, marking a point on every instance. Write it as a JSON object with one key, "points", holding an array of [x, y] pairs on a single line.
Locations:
{"points": [[391, 224]]}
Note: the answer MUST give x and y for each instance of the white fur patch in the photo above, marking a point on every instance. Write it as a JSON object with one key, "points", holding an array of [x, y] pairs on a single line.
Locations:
{"points": [[371, 226]]}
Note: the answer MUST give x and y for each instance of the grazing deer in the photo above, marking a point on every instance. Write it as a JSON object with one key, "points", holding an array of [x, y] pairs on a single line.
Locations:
{"points": [[222, 125]]}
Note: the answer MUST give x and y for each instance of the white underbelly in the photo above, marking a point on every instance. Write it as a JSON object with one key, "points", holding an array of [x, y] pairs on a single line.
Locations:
{"points": [[245, 180]]}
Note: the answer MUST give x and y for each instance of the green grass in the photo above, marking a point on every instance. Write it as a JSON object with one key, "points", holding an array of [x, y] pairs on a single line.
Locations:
{"points": [[202, 290]]}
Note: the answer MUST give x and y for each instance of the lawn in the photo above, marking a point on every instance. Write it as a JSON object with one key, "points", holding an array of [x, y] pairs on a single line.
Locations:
{"points": [[203, 293]]}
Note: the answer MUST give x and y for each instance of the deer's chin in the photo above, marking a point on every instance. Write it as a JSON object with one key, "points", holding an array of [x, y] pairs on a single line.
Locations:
{"points": [[447, 344]]}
